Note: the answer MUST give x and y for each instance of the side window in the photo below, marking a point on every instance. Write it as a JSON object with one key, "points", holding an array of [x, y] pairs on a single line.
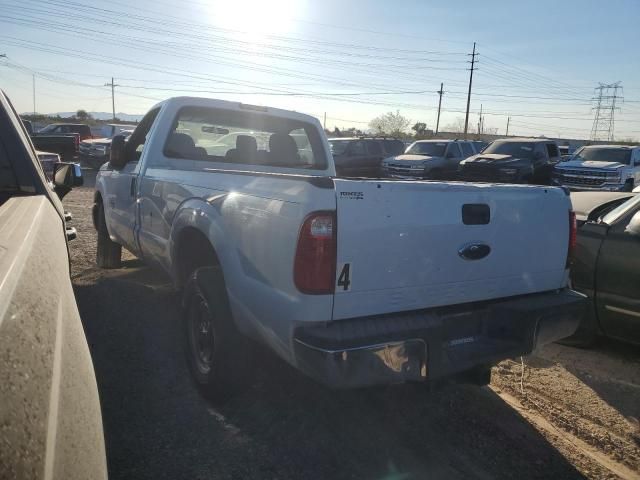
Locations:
{"points": [[135, 144], [374, 147], [357, 148], [453, 151], [552, 150], [467, 151]]}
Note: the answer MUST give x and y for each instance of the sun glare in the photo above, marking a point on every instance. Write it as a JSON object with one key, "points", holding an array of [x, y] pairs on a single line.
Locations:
{"points": [[257, 17]]}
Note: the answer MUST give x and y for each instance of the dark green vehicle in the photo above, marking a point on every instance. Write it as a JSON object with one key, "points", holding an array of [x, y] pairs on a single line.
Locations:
{"points": [[606, 265]]}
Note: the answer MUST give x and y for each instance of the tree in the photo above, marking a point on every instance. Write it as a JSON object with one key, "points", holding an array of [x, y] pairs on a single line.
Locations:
{"points": [[390, 124], [420, 128], [456, 127], [82, 115]]}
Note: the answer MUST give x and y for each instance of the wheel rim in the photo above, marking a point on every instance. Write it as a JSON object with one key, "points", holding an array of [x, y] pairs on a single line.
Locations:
{"points": [[201, 334]]}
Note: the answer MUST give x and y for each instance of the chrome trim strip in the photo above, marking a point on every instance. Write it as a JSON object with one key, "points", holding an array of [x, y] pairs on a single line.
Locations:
{"points": [[622, 310]]}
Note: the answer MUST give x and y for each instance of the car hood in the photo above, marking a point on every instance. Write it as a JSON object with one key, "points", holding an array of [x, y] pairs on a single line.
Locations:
{"points": [[494, 159], [409, 157], [583, 203], [591, 164]]}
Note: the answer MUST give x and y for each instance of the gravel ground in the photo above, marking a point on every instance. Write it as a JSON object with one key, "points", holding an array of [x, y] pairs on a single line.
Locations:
{"points": [[568, 413]]}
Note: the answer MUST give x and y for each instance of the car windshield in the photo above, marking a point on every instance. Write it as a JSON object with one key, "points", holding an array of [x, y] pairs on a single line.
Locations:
{"points": [[338, 147], [619, 155], [514, 149], [432, 149]]}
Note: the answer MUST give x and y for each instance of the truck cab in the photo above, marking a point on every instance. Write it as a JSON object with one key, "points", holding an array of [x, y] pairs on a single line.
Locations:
{"points": [[601, 167]]}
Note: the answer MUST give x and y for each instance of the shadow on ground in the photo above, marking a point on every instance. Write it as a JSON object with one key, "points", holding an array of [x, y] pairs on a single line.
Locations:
{"points": [[158, 427]]}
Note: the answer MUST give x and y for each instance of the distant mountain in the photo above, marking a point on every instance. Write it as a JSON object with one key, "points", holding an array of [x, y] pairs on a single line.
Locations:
{"points": [[125, 117]]}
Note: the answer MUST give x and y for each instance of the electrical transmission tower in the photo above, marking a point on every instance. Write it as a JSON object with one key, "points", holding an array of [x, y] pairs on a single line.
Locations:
{"points": [[607, 96]]}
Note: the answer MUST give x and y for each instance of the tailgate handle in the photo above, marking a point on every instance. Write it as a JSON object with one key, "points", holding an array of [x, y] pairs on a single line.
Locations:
{"points": [[475, 214]]}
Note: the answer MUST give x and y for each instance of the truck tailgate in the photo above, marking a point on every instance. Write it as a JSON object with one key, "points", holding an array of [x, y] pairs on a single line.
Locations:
{"points": [[412, 245]]}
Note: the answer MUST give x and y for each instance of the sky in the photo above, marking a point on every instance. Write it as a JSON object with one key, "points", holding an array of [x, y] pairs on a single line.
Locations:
{"points": [[538, 62]]}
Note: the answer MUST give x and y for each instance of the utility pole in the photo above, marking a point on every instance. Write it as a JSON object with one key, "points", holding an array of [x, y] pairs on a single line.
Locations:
{"points": [[324, 122], [113, 85], [440, 93], [507, 133], [480, 121], [34, 94], [473, 62]]}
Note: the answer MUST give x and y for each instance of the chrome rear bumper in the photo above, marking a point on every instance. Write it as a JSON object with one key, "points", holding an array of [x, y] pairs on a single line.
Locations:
{"points": [[435, 343]]}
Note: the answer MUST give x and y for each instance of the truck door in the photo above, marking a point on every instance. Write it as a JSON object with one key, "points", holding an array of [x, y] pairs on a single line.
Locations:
{"points": [[618, 281], [122, 206]]}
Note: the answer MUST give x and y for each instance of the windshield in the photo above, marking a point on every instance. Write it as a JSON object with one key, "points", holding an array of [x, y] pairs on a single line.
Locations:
{"points": [[338, 147], [431, 149], [619, 155], [514, 149]]}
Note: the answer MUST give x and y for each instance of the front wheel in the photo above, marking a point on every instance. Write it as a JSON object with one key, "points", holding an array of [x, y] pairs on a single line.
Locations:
{"points": [[108, 252], [628, 186], [217, 353]]}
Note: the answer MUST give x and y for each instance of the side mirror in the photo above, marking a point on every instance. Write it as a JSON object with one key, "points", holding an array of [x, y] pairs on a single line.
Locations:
{"points": [[117, 157], [65, 177], [633, 228]]}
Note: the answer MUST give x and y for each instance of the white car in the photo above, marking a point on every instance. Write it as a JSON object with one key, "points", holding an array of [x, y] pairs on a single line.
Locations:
{"points": [[354, 282], [601, 167]]}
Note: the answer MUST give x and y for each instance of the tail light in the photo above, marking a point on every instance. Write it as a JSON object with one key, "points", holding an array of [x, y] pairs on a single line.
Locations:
{"points": [[573, 235], [314, 267]]}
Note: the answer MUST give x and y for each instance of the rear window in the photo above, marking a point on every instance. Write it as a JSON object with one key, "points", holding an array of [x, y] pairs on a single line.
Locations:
{"points": [[433, 149], [251, 138], [620, 155]]}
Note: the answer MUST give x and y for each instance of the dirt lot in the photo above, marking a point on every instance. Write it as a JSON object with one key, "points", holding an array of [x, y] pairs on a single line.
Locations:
{"points": [[569, 414]]}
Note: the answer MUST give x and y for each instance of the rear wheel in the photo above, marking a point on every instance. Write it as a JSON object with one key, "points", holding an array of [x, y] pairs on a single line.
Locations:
{"points": [[218, 355], [108, 253]]}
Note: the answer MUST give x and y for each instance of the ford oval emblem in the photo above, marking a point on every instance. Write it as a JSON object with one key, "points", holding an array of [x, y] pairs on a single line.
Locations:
{"points": [[475, 251]]}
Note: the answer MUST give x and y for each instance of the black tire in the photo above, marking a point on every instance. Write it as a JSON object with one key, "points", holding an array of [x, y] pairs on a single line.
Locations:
{"points": [[218, 355], [108, 252], [628, 186]]}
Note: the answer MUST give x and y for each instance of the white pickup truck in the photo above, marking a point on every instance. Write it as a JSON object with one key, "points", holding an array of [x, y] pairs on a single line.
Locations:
{"points": [[354, 282], [601, 167]]}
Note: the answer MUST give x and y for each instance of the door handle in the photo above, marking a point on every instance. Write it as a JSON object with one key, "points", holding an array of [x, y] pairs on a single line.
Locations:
{"points": [[133, 187]]}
